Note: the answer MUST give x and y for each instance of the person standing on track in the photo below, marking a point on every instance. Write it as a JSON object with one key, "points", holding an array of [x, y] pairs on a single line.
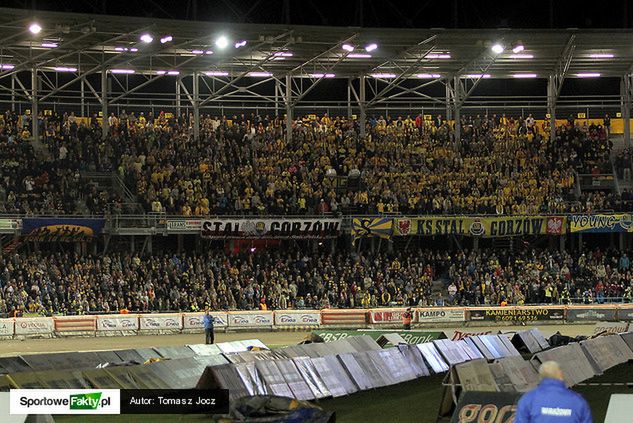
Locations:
{"points": [[551, 401], [407, 318], [208, 327]]}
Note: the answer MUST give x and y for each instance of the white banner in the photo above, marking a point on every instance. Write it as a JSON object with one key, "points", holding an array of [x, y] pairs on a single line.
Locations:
{"points": [[33, 325], [184, 225], [387, 315], [160, 321], [65, 401], [7, 327], [117, 322], [196, 320], [250, 319], [298, 317], [440, 315], [271, 228]]}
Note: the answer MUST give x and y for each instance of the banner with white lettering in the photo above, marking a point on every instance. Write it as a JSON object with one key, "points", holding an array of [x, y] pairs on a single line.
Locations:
{"points": [[386, 316], [271, 228], [250, 319], [7, 327], [65, 401], [160, 322], [117, 322], [440, 315], [184, 225], [196, 320], [297, 318], [34, 326]]}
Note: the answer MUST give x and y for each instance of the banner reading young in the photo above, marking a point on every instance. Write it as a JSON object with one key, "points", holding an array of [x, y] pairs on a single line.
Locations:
{"points": [[597, 223], [498, 226]]}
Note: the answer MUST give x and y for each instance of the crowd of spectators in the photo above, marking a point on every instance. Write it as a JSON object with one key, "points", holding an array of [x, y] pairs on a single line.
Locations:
{"points": [[245, 165], [70, 284]]}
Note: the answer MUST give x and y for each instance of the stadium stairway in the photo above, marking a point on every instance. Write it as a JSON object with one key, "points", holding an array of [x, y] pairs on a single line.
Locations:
{"points": [[111, 181]]}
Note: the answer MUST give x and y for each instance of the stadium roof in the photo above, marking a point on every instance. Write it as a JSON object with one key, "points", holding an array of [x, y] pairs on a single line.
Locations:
{"points": [[92, 43]]}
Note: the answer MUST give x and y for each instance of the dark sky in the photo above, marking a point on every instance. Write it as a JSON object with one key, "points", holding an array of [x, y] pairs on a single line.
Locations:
{"points": [[368, 13]]}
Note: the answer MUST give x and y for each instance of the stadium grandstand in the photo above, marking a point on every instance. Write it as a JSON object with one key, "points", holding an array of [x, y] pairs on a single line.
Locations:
{"points": [[334, 182]]}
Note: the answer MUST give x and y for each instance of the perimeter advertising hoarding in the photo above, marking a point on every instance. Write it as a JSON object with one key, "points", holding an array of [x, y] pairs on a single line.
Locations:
{"points": [[516, 314], [498, 407], [591, 314], [410, 336]]}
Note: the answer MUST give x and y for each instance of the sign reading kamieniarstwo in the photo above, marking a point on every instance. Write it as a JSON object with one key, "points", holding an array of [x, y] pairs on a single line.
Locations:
{"points": [[516, 314], [271, 228]]}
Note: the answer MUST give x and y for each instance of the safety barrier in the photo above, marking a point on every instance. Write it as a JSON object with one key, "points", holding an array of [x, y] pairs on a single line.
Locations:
{"points": [[188, 322]]}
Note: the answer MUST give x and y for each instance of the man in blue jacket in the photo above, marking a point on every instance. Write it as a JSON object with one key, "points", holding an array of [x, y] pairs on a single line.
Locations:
{"points": [[551, 401], [208, 327]]}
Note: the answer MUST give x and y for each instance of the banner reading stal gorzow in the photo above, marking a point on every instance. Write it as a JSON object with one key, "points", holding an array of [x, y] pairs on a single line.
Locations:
{"points": [[511, 314], [271, 228], [160, 322], [440, 315], [64, 401], [297, 318], [196, 320], [109, 322]]}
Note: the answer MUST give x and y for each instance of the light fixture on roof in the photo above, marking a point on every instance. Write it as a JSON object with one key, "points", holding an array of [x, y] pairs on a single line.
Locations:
{"points": [[166, 39], [601, 56], [240, 44], [133, 49], [438, 56], [197, 51], [371, 47], [216, 73], [524, 75], [147, 38], [260, 74], [208, 52], [476, 75], [171, 72], [383, 75], [497, 48], [518, 47], [127, 71], [359, 56], [322, 75], [428, 75], [283, 54], [35, 28], [588, 75], [347, 47], [64, 69], [522, 56], [222, 42], [6, 66], [48, 44]]}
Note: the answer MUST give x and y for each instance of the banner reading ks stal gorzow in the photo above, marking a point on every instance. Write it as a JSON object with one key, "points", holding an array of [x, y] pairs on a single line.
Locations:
{"points": [[510, 314], [500, 226], [271, 228]]}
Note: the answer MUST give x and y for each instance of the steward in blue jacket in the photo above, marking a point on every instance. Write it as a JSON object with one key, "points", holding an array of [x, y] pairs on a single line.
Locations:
{"points": [[208, 328], [551, 401]]}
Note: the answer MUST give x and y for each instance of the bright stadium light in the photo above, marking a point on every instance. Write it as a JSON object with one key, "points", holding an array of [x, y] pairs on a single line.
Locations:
{"points": [[166, 39], [497, 48], [518, 48], [322, 75], [197, 51], [602, 56], [438, 56], [348, 47], [371, 47], [48, 44], [64, 69], [216, 73], [383, 75], [6, 66], [208, 52], [359, 56], [524, 75], [146, 38], [128, 71], [476, 75], [588, 75], [222, 42], [428, 75], [283, 54], [240, 44], [133, 49], [522, 56], [35, 28], [260, 74]]}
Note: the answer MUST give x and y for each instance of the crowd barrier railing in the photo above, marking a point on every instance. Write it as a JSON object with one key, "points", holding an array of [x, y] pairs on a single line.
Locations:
{"points": [[189, 322]]}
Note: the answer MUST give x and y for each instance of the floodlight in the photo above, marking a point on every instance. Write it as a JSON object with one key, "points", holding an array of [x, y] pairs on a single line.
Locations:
{"points": [[524, 75], [428, 75], [602, 56], [240, 44], [521, 56], [588, 75], [371, 47], [260, 74], [216, 73], [438, 56], [166, 39], [359, 56], [518, 48], [322, 75], [146, 38], [348, 47], [129, 71], [64, 69], [6, 66], [497, 48], [283, 54], [49, 45], [222, 42], [197, 51], [35, 28], [383, 75]]}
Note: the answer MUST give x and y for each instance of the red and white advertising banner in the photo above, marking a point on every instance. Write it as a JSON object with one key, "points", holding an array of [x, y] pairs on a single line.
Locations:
{"points": [[386, 315], [160, 321], [7, 327], [34, 325], [117, 322], [297, 317], [250, 318], [440, 315], [196, 320]]}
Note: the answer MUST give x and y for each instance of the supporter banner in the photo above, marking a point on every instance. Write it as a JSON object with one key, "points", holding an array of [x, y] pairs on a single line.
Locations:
{"points": [[440, 315], [54, 229], [297, 317], [250, 319], [498, 407], [9, 225], [196, 320], [410, 336], [386, 315], [501, 226], [381, 227], [591, 314], [511, 314], [594, 223], [110, 322], [34, 325], [611, 327], [184, 225], [625, 313], [160, 322], [271, 228], [7, 327]]}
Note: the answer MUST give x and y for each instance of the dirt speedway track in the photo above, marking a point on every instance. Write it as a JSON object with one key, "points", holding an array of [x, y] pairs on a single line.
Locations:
{"points": [[272, 339]]}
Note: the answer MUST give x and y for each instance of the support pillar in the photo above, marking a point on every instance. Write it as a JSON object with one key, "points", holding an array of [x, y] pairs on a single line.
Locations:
{"points": [[476, 243], [196, 106], [551, 105], [362, 119], [104, 104], [349, 98], [457, 110], [178, 82], [83, 98], [449, 99], [625, 107], [277, 89], [13, 92], [288, 107], [34, 106]]}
